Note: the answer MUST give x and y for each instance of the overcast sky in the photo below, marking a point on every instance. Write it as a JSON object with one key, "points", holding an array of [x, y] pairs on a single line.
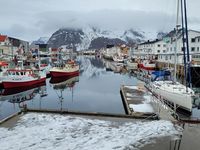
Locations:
{"points": [[31, 19]]}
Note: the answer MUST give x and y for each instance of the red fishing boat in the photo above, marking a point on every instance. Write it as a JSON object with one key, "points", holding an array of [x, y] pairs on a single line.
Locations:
{"points": [[22, 77], [70, 68]]}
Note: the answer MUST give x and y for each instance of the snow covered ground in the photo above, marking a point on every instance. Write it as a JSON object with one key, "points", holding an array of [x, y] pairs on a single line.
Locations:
{"points": [[57, 132]]}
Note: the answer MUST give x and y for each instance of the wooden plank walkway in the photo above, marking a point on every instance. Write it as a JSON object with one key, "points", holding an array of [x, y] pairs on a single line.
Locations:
{"points": [[135, 96]]}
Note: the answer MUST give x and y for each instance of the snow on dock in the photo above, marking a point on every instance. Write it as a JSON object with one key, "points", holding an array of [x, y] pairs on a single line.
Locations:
{"points": [[56, 132], [136, 101]]}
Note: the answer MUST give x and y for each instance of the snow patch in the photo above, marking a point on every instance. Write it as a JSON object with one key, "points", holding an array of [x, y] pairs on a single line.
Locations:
{"points": [[56, 132], [132, 87], [147, 108]]}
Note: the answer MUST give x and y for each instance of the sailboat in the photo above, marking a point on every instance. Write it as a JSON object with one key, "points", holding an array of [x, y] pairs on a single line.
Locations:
{"points": [[178, 95]]}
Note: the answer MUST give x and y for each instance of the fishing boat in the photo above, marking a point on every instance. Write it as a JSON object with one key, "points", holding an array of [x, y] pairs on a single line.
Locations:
{"points": [[70, 68], [132, 64], [22, 77], [179, 95], [46, 68], [147, 65]]}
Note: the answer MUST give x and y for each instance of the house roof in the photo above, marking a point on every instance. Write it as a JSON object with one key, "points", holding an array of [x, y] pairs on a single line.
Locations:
{"points": [[150, 42], [3, 38]]}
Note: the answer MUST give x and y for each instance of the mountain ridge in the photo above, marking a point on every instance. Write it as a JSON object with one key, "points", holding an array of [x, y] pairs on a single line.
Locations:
{"points": [[93, 38]]}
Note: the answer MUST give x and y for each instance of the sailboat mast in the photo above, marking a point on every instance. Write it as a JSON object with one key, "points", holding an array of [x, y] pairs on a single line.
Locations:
{"points": [[183, 39], [175, 57], [187, 45]]}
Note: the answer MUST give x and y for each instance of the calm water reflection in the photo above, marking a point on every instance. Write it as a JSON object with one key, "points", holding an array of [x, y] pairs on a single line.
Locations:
{"points": [[95, 90]]}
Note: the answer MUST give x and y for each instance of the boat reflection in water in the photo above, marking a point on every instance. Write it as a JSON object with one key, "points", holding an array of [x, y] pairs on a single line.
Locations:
{"points": [[18, 95], [62, 83]]}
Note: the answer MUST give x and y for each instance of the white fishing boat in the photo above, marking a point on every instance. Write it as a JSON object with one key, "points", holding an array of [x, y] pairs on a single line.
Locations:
{"points": [[132, 65]]}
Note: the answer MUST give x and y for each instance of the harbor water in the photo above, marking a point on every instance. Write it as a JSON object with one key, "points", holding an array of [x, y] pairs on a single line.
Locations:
{"points": [[94, 90]]}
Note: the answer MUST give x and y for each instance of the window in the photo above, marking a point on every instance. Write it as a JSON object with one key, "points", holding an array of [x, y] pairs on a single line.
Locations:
{"points": [[158, 45], [164, 51], [170, 48], [158, 51], [198, 39], [164, 45], [192, 49], [192, 40]]}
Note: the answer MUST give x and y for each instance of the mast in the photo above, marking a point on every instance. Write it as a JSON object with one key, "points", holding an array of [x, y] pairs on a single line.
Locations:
{"points": [[175, 56], [183, 39], [187, 46]]}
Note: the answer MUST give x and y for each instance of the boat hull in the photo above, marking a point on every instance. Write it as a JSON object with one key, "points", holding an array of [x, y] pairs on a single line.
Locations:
{"points": [[63, 74], [146, 67], [132, 66], [181, 100], [15, 84]]}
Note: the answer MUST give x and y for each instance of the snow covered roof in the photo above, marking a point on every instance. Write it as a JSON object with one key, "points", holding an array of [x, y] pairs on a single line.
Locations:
{"points": [[150, 42]]}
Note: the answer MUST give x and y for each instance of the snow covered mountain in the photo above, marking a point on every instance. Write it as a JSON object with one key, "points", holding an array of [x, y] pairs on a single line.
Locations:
{"points": [[93, 38]]}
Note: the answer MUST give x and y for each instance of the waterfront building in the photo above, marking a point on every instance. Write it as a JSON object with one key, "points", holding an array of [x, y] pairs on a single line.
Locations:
{"points": [[168, 56], [4, 44], [150, 49], [112, 50], [12, 46]]}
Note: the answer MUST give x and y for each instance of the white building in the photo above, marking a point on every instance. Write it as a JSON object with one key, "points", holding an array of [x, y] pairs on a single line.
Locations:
{"points": [[150, 49], [109, 52], [167, 55]]}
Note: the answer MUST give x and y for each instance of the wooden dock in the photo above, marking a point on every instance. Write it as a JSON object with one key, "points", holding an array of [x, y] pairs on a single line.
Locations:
{"points": [[135, 96]]}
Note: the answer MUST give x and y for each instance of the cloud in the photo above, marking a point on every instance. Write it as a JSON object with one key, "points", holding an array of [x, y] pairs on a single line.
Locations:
{"points": [[109, 19], [31, 19]]}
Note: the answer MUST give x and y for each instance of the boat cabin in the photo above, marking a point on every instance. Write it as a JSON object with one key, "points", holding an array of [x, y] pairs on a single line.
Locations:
{"points": [[14, 72]]}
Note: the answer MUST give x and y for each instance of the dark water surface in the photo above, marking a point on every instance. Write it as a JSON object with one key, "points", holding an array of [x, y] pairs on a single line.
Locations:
{"points": [[94, 90]]}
